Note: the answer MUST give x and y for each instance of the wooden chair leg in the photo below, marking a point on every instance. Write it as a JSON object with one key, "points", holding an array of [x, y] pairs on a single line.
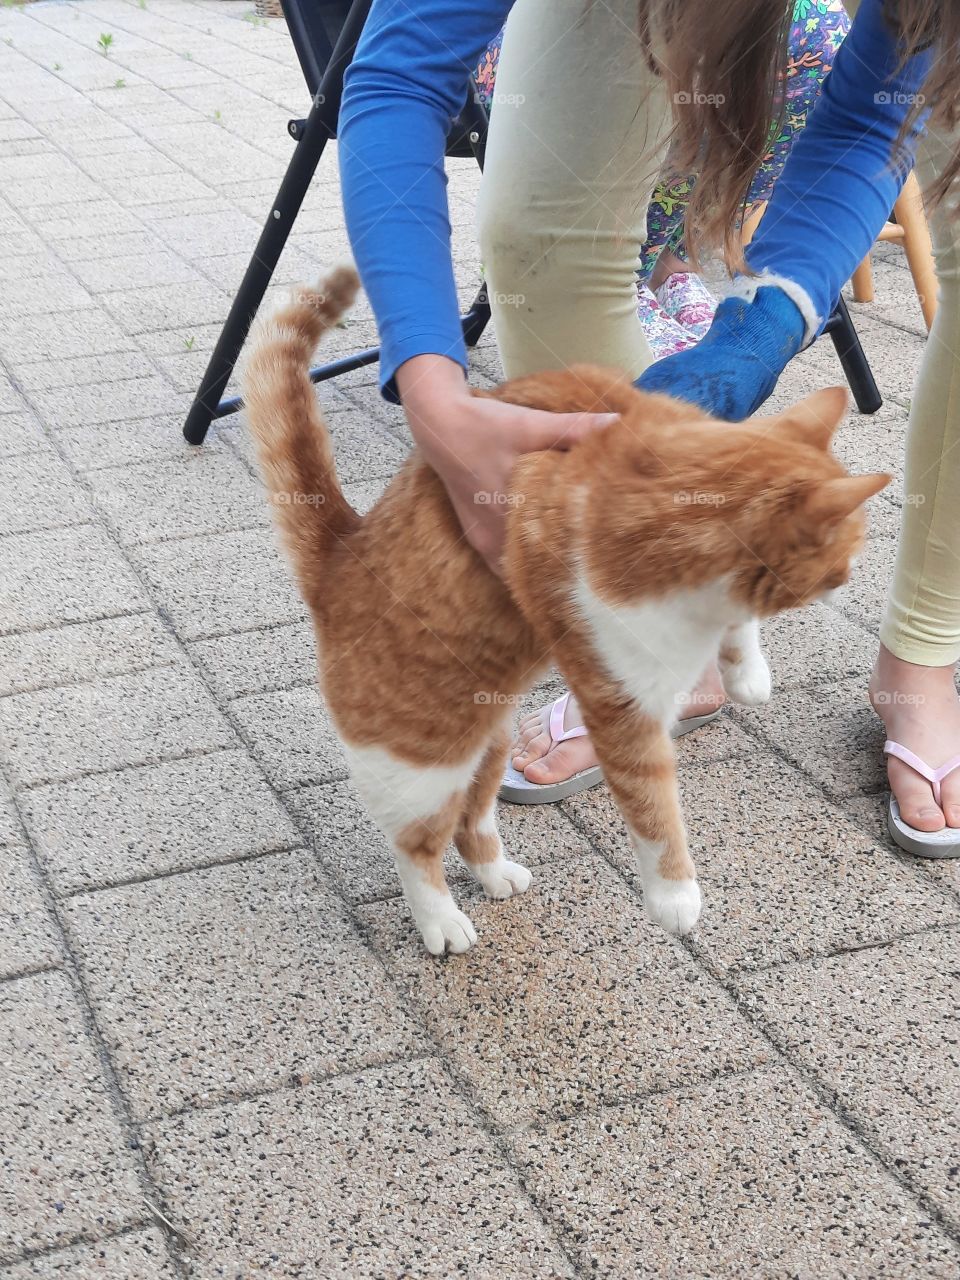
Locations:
{"points": [[916, 244], [862, 281]]}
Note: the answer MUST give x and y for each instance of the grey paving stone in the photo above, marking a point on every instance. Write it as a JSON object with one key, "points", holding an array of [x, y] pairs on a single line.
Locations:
{"points": [[198, 492], [258, 661], [784, 873], [163, 306], [894, 356], [11, 401], [205, 235], [174, 341], [215, 154], [141, 1255], [56, 734], [220, 584], [355, 853], [831, 732], [148, 439], [864, 597], [870, 814], [74, 220], [67, 1170], [274, 986], [362, 494], [37, 492], [51, 189], [9, 822], [874, 442], [106, 274], [124, 243], [747, 1177], [63, 575], [18, 241], [569, 999], [86, 651], [81, 371], [61, 336], [186, 368], [109, 402], [718, 740], [816, 645], [149, 821], [386, 1173], [21, 433], [41, 295], [28, 936], [186, 206], [291, 735], [879, 1029], [895, 298]]}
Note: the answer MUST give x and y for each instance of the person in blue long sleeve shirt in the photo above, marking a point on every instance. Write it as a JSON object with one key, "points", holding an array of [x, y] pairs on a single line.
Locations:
{"points": [[589, 93]]}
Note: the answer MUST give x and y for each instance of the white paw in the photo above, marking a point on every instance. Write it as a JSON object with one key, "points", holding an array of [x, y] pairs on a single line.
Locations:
{"points": [[748, 682], [447, 930], [503, 878], [673, 904]]}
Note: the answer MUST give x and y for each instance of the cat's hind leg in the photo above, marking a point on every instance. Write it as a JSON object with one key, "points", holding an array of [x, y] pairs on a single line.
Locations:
{"points": [[743, 668], [418, 808], [477, 838]]}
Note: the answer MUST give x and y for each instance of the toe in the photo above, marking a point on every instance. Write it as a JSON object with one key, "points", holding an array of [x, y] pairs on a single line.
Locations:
{"points": [[518, 876], [461, 934], [434, 940], [528, 727], [531, 748], [950, 799], [917, 806], [562, 761]]}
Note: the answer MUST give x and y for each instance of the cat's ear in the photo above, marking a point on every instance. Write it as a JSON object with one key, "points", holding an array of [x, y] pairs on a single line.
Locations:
{"points": [[833, 500], [815, 418]]}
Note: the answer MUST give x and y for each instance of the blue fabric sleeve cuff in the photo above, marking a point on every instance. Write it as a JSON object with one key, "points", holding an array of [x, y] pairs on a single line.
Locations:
{"points": [[393, 355]]}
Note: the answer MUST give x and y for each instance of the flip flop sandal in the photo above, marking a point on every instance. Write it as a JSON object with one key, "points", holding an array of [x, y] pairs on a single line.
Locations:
{"points": [[518, 789], [925, 844]]}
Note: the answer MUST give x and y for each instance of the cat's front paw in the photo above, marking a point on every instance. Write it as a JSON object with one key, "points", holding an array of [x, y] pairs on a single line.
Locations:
{"points": [[673, 904], [447, 929], [748, 681], [502, 878]]}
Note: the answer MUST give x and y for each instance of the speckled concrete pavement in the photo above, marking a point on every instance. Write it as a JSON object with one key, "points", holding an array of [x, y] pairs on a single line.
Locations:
{"points": [[223, 1051]]}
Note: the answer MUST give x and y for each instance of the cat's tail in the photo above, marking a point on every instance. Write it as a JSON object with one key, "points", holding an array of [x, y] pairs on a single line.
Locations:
{"points": [[293, 444]]}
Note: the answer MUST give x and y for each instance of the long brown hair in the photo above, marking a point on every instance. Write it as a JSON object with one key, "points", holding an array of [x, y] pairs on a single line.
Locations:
{"points": [[723, 64]]}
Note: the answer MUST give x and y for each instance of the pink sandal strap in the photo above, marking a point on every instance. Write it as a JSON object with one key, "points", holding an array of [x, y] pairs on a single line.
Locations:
{"points": [[557, 715], [934, 776]]}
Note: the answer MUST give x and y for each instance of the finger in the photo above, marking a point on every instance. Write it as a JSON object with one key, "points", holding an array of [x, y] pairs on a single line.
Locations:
{"points": [[559, 430]]}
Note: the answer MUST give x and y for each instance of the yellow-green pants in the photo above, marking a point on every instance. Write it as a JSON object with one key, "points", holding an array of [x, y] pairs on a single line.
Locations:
{"points": [[573, 155]]}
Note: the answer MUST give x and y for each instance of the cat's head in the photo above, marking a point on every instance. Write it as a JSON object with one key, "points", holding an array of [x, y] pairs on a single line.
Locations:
{"points": [[684, 498], [796, 512]]}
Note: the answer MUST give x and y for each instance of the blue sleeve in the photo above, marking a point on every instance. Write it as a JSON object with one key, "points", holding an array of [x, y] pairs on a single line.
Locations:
{"points": [[838, 184], [403, 89]]}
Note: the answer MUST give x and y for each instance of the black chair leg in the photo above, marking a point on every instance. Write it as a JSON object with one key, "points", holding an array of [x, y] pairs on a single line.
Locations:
{"points": [[477, 318], [319, 129], [851, 355]]}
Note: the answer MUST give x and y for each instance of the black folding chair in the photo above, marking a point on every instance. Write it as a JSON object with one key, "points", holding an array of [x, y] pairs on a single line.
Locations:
{"points": [[325, 35]]}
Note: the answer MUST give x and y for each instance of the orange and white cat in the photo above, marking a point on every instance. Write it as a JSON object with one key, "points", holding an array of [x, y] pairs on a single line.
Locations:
{"points": [[631, 561]]}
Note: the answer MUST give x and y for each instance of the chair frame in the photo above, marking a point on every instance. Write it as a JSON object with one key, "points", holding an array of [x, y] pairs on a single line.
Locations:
{"points": [[324, 60]]}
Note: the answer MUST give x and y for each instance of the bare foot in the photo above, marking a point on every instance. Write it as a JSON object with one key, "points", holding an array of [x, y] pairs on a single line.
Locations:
{"points": [[920, 710], [539, 759]]}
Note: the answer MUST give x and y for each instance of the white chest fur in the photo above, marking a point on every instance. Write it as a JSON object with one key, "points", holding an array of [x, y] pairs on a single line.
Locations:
{"points": [[658, 649]]}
